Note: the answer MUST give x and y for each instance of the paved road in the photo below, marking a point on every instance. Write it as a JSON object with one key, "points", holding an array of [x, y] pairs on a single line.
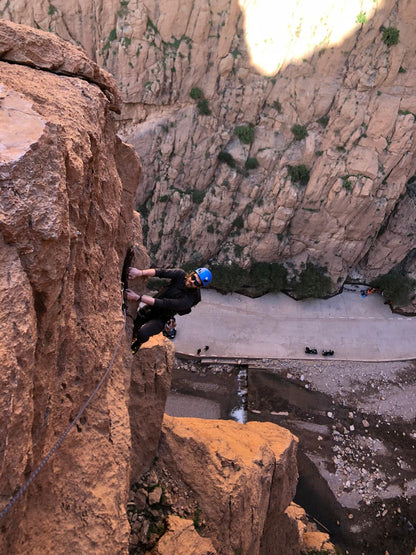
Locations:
{"points": [[276, 326]]}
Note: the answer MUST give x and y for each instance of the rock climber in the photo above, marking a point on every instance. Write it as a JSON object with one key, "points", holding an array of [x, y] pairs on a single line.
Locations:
{"points": [[182, 293]]}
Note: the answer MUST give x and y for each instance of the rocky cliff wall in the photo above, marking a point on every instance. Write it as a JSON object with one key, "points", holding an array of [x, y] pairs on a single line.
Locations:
{"points": [[330, 73], [67, 185]]}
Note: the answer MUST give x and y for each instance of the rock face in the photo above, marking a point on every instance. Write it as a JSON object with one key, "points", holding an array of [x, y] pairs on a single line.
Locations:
{"points": [[66, 219], [181, 537], [149, 388], [241, 478], [350, 91]]}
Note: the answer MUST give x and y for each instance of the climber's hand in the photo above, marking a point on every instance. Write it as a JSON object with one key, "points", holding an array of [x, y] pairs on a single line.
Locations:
{"points": [[131, 295], [135, 273]]}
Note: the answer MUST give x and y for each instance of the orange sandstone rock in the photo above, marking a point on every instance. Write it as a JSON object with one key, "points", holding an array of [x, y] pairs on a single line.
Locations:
{"points": [[241, 476]]}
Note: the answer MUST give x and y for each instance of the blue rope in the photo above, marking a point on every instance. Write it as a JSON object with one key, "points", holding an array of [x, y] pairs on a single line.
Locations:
{"points": [[21, 491]]}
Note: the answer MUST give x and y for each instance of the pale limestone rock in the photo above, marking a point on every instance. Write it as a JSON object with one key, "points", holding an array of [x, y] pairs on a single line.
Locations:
{"points": [[150, 384], [225, 65], [363, 161], [155, 496], [383, 116], [17, 113], [17, 352], [311, 540], [49, 52], [315, 542]]}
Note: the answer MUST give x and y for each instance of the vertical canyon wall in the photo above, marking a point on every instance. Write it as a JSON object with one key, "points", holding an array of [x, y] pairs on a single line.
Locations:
{"points": [[327, 70], [67, 185]]}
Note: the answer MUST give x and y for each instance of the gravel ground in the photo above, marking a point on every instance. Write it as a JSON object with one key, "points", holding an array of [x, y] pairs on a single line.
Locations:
{"points": [[356, 426], [357, 451]]}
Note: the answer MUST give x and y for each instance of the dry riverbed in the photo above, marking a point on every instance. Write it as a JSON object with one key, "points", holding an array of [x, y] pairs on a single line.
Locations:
{"points": [[356, 425]]}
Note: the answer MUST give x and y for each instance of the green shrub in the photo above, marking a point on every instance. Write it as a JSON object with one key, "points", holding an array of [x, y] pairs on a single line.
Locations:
{"points": [[123, 11], [299, 131], [251, 164], [197, 519], [265, 277], [238, 250], [390, 36], [299, 175], [260, 278], [323, 121], [111, 37], [245, 133], [396, 286], [197, 196], [312, 282], [228, 278], [156, 529], [411, 187], [238, 222], [361, 18], [227, 158], [346, 183], [203, 107], [196, 93], [278, 277], [277, 106]]}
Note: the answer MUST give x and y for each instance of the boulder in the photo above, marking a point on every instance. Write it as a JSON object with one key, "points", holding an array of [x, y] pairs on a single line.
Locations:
{"points": [[241, 477], [181, 537]]}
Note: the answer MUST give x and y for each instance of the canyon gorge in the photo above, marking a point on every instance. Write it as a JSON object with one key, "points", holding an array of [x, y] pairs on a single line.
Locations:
{"points": [[291, 146], [172, 129]]}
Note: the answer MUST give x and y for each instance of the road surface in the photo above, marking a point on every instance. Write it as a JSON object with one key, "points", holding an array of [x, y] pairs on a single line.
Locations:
{"points": [[276, 326]]}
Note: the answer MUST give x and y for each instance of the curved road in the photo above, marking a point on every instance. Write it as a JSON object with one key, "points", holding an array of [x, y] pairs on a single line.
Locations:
{"points": [[276, 326]]}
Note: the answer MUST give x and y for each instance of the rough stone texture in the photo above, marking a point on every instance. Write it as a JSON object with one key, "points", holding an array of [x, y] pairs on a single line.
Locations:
{"points": [[330, 66], [249, 476], [150, 384], [311, 539], [181, 537], [50, 53], [67, 185]]}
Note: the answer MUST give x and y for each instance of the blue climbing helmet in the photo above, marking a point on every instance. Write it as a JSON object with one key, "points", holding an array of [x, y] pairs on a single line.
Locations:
{"points": [[204, 275]]}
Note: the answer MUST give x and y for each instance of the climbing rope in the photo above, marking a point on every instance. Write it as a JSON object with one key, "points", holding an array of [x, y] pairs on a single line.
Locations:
{"points": [[21, 491]]}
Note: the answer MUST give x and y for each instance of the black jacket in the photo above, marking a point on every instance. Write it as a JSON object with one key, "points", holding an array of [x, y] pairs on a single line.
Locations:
{"points": [[175, 298]]}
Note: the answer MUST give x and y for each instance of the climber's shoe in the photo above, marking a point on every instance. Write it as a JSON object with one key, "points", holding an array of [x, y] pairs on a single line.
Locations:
{"points": [[135, 346]]}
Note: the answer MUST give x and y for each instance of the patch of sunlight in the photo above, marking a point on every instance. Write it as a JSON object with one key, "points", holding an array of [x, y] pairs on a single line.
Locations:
{"points": [[20, 126], [278, 32]]}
